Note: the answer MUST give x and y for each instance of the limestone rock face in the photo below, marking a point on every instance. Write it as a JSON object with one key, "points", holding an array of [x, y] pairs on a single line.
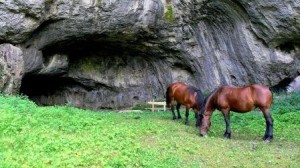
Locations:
{"points": [[113, 54], [11, 68]]}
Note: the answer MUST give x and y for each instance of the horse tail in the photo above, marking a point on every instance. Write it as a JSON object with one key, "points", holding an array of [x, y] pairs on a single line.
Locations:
{"points": [[168, 100]]}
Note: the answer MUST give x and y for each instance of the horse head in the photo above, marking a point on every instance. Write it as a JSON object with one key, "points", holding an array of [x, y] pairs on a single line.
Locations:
{"points": [[205, 114], [204, 124]]}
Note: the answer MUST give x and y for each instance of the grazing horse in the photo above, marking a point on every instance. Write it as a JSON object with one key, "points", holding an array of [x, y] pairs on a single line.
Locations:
{"points": [[186, 95], [237, 99]]}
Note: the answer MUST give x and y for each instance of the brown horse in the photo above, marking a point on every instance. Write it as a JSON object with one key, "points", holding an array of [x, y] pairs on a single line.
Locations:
{"points": [[186, 95], [237, 99]]}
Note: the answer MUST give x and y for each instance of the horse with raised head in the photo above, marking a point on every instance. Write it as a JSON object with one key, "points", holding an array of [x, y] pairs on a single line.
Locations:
{"points": [[237, 99], [186, 95]]}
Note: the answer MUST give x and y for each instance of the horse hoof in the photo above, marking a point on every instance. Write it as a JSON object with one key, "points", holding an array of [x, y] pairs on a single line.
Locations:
{"points": [[204, 135], [268, 138], [227, 135]]}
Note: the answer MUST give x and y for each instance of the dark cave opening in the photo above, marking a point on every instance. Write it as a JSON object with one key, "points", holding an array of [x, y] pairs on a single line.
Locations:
{"points": [[92, 78], [33, 85], [282, 85], [287, 47], [36, 86]]}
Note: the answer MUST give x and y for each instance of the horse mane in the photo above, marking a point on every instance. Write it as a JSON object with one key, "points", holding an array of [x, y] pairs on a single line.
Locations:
{"points": [[200, 97], [206, 99]]}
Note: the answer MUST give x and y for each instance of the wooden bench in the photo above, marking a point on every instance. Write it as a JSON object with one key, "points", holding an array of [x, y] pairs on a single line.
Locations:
{"points": [[162, 105]]}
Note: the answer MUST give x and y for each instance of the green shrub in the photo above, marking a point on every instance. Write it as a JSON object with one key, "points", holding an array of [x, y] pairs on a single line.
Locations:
{"points": [[169, 15], [141, 107], [285, 103]]}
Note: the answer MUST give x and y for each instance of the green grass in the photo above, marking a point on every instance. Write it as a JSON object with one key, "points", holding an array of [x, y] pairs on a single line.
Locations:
{"points": [[62, 136]]}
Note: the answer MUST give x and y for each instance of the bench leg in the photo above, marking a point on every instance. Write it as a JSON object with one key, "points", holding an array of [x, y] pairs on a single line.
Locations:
{"points": [[152, 107]]}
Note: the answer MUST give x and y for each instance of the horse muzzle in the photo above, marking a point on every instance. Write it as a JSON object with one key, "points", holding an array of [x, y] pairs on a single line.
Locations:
{"points": [[203, 131], [202, 134]]}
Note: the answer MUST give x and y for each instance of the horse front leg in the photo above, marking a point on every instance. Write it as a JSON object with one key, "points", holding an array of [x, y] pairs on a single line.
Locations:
{"points": [[226, 114], [269, 125], [173, 113], [187, 115]]}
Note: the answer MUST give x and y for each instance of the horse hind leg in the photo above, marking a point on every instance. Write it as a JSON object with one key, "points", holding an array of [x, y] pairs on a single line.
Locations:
{"points": [[269, 124], [178, 110], [173, 113]]}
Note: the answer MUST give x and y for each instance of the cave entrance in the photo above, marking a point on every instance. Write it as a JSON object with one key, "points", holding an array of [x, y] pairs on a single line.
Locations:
{"points": [[282, 85], [40, 87], [100, 74]]}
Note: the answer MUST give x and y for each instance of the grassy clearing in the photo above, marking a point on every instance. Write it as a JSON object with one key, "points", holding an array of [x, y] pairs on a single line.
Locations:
{"points": [[32, 136]]}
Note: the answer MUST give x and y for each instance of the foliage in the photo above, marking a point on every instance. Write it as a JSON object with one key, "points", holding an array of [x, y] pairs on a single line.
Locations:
{"points": [[146, 107], [169, 15], [62, 136], [141, 107], [286, 103]]}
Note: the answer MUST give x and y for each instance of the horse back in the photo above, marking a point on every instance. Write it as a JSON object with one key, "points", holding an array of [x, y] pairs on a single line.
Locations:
{"points": [[182, 93], [243, 99], [234, 98], [262, 95], [175, 90]]}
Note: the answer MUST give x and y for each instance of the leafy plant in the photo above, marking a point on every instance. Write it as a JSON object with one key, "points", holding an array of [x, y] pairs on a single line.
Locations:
{"points": [[169, 15]]}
